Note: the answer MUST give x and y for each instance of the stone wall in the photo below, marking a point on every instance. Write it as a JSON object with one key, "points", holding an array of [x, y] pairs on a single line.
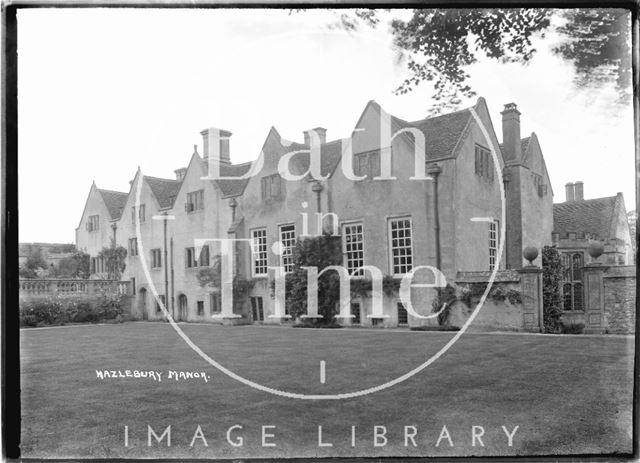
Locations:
{"points": [[501, 315], [620, 299]]}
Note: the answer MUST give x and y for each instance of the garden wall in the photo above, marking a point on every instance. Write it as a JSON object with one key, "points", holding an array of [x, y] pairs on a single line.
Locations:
{"points": [[514, 302]]}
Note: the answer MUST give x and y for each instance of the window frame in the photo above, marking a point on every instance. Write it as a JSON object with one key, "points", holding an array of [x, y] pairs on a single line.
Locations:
{"points": [[267, 187], [287, 255], [390, 248], [484, 167], [494, 241], [195, 201], [345, 252], [133, 247], [156, 258], [259, 259]]}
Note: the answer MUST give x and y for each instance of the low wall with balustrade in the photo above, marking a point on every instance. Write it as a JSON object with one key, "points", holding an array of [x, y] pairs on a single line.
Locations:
{"points": [[89, 290]]}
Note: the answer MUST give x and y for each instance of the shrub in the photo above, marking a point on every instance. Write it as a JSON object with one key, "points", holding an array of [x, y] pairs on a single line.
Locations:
{"points": [[572, 328], [446, 295]]}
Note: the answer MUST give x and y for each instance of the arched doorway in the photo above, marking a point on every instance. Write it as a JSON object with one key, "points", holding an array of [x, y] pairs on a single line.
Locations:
{"points": [[142, 303], [183, 307]]}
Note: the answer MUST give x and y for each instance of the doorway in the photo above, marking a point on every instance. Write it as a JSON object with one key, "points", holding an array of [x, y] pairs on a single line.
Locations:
{"points": [[183, 307], [142, 303]]}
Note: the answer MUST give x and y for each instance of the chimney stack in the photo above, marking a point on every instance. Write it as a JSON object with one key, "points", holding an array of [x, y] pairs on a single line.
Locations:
{"points": [[579, 190], [321, 132], [511, 132], [180, 173], [569, 188], [215, 144]]}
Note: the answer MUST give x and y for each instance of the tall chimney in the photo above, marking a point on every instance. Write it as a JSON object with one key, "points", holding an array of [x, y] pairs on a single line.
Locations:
{"points": [[511, 132], [321, 132], [579, 190], [215, 143], [570, 192]]}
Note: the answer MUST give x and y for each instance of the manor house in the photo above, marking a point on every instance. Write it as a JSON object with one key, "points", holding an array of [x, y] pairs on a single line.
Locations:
{"points": [[392, 208]]}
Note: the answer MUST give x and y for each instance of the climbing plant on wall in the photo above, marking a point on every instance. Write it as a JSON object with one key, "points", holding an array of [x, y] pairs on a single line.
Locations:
{"points": [[551, 296]]}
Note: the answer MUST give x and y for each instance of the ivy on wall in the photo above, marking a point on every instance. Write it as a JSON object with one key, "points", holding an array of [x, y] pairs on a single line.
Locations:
{"points": [[551, 296]]}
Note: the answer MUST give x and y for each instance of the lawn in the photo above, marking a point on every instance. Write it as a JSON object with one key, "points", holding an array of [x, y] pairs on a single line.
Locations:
{"points": [[566, 394]]}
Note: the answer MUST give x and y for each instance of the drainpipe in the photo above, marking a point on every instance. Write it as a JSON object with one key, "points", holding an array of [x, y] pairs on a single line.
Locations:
{"points": [[173, 309], [166, 262], [433, 171]]}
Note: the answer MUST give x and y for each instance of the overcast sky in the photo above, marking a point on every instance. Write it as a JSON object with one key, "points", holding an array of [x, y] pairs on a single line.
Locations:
{"points": [[103, 91]]}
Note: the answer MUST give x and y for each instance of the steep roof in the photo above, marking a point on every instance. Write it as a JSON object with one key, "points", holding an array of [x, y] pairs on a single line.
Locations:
{"points": [[115, 201], [441, 132], [592, 216], [164, 189], [231, 188]]}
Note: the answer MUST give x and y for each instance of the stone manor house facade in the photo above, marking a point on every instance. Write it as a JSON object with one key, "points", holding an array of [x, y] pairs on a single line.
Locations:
{"points": [[450, 221]]}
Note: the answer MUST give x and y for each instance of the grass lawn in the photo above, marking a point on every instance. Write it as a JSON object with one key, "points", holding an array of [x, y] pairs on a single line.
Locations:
{"points": [[566, 394]]}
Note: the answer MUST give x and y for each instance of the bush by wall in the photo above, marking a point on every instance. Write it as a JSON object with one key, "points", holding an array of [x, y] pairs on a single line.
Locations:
{"points": [[61, 310]]}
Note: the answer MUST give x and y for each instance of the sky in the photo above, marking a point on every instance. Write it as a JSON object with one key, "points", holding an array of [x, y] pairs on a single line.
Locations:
{"points": [[102, 92]]}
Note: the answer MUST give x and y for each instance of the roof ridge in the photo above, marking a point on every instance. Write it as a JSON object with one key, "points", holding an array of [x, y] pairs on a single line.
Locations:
{"points": [[112, 191], [163, 179]]}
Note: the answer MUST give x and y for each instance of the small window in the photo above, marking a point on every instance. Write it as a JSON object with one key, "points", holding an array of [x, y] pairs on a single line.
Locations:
{"points": [[355, 311], [288, 240], [367, 164], [195, 201], [200, 307], [259, 251], [133, 247], [271, 186], [93, 223], [190, 257], [403, 316], [400, 246], [133, 286], [204, 256], [156, 258], [484, 163], [214, 303]]}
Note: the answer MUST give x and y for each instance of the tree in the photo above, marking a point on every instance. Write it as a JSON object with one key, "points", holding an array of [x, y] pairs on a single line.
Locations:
{"points": [[551, 279], [438, 45], [75, 266], [34, 265], [114, 260]]}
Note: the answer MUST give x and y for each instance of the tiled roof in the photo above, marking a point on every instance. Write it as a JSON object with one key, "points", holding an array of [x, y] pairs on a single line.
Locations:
{"points": [[164, 189], [231, 188], [441, 132], [592, 216], [441, 136], [115, 201]]}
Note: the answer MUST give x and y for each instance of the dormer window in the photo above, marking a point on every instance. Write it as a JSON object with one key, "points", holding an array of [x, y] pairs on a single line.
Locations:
{"points": [[367, 164], [141, 213], [272, 186], [484, 163], [195, 201], [93, 223]]}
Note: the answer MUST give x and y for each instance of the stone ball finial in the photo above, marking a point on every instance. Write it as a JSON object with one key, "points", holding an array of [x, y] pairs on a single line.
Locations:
{"points": [[233, 203], [596, 248], [530, 253]]}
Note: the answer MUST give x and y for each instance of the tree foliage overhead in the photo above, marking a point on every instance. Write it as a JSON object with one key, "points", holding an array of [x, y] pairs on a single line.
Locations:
{"points": [[438, 45]]}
